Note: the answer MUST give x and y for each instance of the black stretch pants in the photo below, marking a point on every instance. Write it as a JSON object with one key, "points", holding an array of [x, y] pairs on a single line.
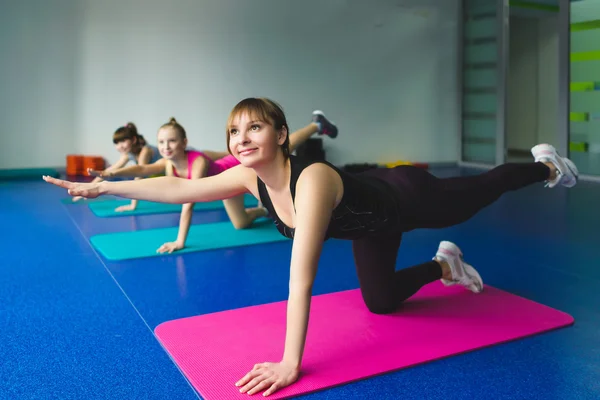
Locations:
{"points": [[433, 203]]}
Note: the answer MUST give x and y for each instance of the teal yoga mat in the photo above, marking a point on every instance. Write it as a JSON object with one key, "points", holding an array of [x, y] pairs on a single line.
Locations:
{"points": [[85, 202], [107, 208], [140, 244]]}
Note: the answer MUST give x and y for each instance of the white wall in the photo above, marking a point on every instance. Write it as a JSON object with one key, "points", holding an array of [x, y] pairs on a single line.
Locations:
{"points": [[532, 82], [37, 67], [384, 71]]}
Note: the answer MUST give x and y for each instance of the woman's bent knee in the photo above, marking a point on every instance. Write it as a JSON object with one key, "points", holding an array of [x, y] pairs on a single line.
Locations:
{"points": [[381, 308]]}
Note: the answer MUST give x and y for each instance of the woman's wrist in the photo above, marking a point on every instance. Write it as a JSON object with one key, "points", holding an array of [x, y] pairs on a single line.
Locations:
{"points": [[292, 362], [103, 187]]}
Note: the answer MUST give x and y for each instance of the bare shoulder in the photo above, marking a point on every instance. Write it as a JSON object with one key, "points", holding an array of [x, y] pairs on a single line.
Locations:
{"points": [[319, 173], [200, 162], [199, 168], [322, 179], [145, 151], [240, 174]]}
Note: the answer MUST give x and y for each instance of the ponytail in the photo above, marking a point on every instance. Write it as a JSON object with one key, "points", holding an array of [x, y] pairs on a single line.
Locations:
{"points": [[176, 126]]}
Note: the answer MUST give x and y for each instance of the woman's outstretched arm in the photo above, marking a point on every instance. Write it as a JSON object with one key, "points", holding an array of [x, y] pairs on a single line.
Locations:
{"points": [[233, 182], [121, 162], [139, 170]]}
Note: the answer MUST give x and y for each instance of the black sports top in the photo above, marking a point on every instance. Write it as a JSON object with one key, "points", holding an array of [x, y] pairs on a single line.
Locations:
{"points": [[369, 205]]}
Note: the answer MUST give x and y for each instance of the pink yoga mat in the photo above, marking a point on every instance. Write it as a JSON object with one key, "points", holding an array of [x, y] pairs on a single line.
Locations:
{"points": [[345, 341]]}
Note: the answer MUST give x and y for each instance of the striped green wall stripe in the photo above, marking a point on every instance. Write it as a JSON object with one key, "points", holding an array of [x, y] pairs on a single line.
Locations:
{"points": [[584, 116], [584, 86], [578, 146], [579, 117], [585, 56], [585, 25]]}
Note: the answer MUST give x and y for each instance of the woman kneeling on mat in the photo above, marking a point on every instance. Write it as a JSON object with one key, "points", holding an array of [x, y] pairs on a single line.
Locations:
{"points": [[192, 164], [313, 200], [133, 147]]}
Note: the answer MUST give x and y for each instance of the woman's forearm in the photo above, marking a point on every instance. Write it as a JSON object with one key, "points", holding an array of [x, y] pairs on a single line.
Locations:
{"points": [[298, 310], [134, 202], [165, 189], [184, 223], [137, 171]]}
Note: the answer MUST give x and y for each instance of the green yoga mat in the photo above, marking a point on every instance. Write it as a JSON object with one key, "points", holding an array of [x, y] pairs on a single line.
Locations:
{"points": [[107, 208], [140, 244]]}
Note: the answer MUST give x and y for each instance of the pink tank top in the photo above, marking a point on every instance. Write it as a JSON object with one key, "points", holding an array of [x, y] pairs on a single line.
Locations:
{"points": [[226, 162], [214, 167]]}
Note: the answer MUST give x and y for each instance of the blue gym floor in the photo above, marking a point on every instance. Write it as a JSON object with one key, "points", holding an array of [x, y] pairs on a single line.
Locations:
{"points": [[75, 326]]}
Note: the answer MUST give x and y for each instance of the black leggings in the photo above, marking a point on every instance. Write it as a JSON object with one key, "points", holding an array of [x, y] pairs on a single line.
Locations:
{"points": [[435, 203]]}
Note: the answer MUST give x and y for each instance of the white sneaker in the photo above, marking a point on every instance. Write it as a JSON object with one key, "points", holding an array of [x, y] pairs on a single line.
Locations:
{"points": [[567, 171], [462, 273]]}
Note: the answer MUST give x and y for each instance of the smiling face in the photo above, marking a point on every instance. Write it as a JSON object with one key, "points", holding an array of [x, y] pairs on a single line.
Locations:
{"points": [[124, 146], [253, 142], [257, 132], [127, 140], [170, 143]]}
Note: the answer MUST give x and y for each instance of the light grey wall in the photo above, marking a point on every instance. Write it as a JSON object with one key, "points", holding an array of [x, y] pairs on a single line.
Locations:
{"points": [[384, 71], [38, 42]]}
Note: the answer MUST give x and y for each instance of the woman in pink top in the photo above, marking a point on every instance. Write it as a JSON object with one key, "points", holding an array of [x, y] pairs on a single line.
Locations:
{"points": [[193, 164]]}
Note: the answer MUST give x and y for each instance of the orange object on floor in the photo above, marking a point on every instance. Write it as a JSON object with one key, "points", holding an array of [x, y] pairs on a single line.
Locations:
{"points": [[74, 164], [93, 162], [78, 164]]}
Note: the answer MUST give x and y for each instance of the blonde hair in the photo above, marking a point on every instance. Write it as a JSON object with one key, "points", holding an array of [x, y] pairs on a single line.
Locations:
{"points": [[173, 124], [261, 109]]}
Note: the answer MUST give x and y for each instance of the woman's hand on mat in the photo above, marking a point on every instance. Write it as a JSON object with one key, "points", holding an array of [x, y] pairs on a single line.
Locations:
{"points": [[76, 199], [170, 247], [87, 190], [127, 207], [269, 376]]}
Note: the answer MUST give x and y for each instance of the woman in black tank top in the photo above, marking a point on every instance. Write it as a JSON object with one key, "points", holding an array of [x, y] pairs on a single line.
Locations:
{"points": [[312, 201]]}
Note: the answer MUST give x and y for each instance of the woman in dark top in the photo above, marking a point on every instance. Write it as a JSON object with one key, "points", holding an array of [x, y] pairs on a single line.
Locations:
{"points": [[313, 201]]}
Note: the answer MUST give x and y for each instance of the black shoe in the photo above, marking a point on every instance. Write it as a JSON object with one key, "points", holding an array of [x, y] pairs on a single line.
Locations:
{"points": [[327, 128]]}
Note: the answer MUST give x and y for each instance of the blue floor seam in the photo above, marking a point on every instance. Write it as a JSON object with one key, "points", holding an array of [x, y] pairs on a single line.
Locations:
{"points": [[129, 300]]}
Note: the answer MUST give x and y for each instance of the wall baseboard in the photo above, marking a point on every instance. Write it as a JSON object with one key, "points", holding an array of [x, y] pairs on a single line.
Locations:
{"points": [[27, 174]]}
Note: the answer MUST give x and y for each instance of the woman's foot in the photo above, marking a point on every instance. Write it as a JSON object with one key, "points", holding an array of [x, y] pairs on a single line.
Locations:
{"points": [[455, 270], [326, 127], [566, 172]]}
